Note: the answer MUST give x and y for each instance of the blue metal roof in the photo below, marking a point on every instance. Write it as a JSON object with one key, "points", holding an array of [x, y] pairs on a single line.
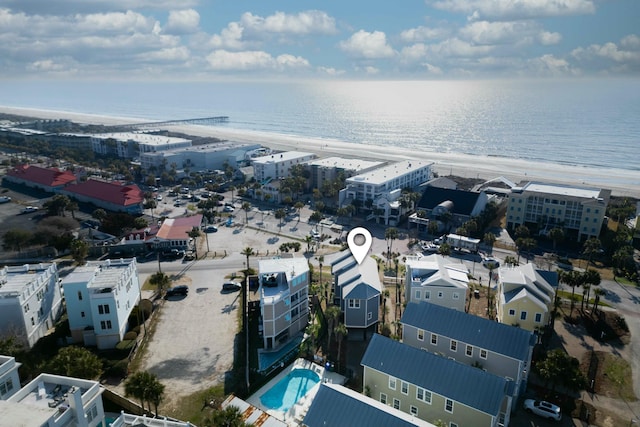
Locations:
{"points": [[337, 406], [464, 384], [469, 329]]}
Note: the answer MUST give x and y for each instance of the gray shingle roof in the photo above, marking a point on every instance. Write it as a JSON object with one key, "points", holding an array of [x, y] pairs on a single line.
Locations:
{"points": [[469, 329], [337, 406], [464, 384]]}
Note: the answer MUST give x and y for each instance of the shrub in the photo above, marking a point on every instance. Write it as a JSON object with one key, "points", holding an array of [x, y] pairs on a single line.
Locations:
{"points": [[130, 336]]}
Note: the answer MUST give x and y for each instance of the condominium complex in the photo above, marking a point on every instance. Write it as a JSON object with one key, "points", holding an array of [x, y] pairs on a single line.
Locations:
{"points": [[329, 169], [100, 296], [132, 144], [30, 301], [543, 206], [276, 166]]}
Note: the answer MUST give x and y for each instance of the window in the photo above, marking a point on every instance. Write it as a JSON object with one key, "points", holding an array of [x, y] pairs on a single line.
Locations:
{"points": [[82, 314], [440, 294], [434, 339], [418, 294], [26, 308], [105, 324], [404, 387], [103, 309], [454, 345], [456, 295], [6, 387], [448, 405], [369, 316], [354, 303], [483, 354], [538, 317], [469, 350], [79, 296], [427, 294], [383, 398], [413, 410], [33, 323], [396, 403], [423, 395], [452, 424], [523, 315], [392, 383], [420, 335], [512, 312]]}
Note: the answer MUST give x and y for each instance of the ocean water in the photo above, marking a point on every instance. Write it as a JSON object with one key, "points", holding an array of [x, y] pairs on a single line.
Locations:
{"points": [[584, 122]]}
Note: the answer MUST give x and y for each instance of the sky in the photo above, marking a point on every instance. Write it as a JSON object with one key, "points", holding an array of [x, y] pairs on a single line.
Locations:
{"points": [[330, 39]]}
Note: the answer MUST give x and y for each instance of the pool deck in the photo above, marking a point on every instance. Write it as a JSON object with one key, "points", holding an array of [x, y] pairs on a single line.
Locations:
{"points": [[294, 416]]}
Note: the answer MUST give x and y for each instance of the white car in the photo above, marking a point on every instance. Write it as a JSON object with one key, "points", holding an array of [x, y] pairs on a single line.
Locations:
{"points": [[490, 261], [543, 409], [29, 209], [228, 209], [314, 234], [5, 199], [159, 197]]}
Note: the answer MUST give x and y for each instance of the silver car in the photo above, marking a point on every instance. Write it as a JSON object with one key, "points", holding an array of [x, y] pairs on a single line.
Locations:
{"points": [[543, 408]]}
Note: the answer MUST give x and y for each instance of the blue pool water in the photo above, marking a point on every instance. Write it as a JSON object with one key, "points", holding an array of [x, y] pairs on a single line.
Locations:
{"points": [[290, 389]]}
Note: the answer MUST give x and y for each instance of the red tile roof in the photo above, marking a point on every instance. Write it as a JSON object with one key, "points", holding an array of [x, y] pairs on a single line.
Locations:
{"points": [[116, 193], [177, 228], [52, 177]]}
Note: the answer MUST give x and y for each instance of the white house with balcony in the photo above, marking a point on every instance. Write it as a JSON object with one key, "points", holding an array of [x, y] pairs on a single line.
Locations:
{"points": [[30, 301], [284, 299], [100, 295], [382, 188]]}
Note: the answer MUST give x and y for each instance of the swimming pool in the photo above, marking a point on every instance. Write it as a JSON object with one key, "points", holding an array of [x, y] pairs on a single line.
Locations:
{"points": [[286, 392]]}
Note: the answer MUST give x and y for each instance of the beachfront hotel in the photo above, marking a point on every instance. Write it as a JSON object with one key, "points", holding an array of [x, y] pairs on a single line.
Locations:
{"points": [[132, 144], [328, 169], [278, 166], [284, 299], [543, 206], [100, 296], [30, 301], [383, 188]]}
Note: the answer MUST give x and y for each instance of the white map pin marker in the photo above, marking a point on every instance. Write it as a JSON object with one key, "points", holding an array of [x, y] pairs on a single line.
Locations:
{"points": [[359, 248]]}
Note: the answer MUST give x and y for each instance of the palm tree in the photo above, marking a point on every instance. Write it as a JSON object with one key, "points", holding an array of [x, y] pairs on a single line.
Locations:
{"points": [[279, 214], [573, 279], [332, 314], [599, 292], [246, 207], [160, 280], [390, 234], [247, 252], [194, 234], [556, 234], [320, 262], [341, 333], [590, 278], [134, 387], [154, 392], [491, 265], [489, 239], [590, 248]]}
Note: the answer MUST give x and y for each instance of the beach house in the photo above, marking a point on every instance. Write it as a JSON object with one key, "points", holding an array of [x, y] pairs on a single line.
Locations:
{"points": [[432, 387], [525, 296], [356, 290], [450, 208], [30, 301], [438, 280], [540, 206], [100, 296], [476, 341]]}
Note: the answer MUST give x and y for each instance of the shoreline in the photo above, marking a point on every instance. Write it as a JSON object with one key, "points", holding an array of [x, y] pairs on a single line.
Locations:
{"points": [[624, 183]]}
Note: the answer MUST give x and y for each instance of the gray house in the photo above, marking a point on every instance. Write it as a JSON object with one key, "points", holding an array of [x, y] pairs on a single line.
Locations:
{"points": [[357, 292], [497, 348], [437, 279], [337, 406], [433, 387]]}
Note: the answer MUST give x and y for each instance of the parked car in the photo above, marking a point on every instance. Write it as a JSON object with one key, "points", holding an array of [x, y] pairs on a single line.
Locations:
{"points": [[30, 209], [159, 197], [189, 256], [210, 229], [490, 261], [5, 199], [544, 409], [429, 247], [177, 290], [173, 253], [231, 286], [228, 209], [314, 233]]}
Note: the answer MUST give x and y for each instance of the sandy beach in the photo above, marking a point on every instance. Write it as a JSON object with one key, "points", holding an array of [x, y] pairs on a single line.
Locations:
{"points": [[622, 182]]}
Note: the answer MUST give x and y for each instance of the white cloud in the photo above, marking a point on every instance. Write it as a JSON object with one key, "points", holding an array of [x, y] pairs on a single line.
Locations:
{"points": [[628, 52], [229, 38], [223, 60], [546, 38], [420, 34], [308, 22], [172, 54], [65, 7], [330, 71], [366, 45], [182, 22], [371, 70], [413, 53], [549, 65], [455, 47], [515, 9], [432, 69], [507, 32]]}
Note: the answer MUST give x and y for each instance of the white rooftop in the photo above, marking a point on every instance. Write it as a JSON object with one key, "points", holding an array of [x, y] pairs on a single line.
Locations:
{"points": [[342, 163], [18, 414], [208, 148], [141, 138], [385, 173], [105, 274], [14, 279], [563, 190], [282, 157]]}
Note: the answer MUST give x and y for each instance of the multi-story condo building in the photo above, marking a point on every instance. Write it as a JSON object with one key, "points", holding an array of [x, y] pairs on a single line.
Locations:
{"points": [[495, 347], [284, 299], [328, 169], [525, 296], [433, 387], [276, 166], [30, 301], [356, 290], [9, 377], [543, 206], [198, 157], [100, 295], [438, 280], [379, 190], [132, 144], [55, 401]]}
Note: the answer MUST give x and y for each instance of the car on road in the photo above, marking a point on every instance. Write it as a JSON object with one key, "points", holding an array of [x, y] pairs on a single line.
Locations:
{"points": [[228, 209], [30, 209], [177, 290], [159, 197], [543, 409], [490, 262], [314, 233], [173, 253], [231, 286], [429, 247], [210, 229], [5, 199], [189, 256]]}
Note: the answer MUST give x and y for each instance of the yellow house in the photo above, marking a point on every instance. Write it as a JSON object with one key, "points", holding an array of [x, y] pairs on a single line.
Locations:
{"points": [[525, 296]]}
